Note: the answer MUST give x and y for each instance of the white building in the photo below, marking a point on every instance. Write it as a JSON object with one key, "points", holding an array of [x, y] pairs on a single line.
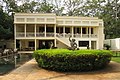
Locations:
{"points": [[113, 43], [37, 31]]}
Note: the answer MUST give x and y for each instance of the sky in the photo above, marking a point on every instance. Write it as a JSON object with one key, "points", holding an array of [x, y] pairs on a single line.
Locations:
{"points": [[60, 2]]}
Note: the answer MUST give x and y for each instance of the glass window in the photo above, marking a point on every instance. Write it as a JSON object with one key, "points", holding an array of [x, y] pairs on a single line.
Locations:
{"points": [[31, 43], [92, 31], [83, 43], [83, 30], [67, 30]]}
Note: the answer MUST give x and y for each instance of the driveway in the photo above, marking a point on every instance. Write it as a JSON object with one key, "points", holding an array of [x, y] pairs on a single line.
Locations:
{"points": [[30, 71]]}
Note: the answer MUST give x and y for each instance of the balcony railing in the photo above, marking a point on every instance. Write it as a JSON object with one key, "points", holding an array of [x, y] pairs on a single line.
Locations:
{"points": [[77, 35], [67, 35], [94, 35], [89, 35], [60, 35], [30, 34], [85, 35], [20, 34], [40, 34], [50, 34]]}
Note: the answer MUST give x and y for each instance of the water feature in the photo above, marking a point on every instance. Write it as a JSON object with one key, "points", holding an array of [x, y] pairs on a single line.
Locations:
{"points": [[7, 66]]}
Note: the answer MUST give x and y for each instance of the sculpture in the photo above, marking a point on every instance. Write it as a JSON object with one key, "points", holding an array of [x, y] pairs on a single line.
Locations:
{"points": [[73, 44]]}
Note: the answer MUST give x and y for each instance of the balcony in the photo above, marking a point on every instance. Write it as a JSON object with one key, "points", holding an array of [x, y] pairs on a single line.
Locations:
{"points": [[50, 34], [60, 35], [20, 34], [40, 34], [30, 34]]}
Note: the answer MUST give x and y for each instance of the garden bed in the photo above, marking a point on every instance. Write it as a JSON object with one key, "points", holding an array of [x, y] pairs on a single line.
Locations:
{"points": [[68, 60]]}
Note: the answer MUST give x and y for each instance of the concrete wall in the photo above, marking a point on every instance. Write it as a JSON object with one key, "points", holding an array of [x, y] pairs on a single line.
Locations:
{"points": [[24, 43], [60, 45], [114, 43], [7, 43]]}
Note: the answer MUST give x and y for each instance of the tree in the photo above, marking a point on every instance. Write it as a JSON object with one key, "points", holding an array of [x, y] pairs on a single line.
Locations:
{"points": [[73, 7], [44, 7], [6, 25], [104, 9]]}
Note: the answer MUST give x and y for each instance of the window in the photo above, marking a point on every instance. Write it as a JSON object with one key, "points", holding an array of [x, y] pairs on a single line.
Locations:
{"points": [[83, 43], [31, 44], [41, 29], [67, 30], [92, 31], [49, 29], [83, 30], [78, 30], [59, 29]]}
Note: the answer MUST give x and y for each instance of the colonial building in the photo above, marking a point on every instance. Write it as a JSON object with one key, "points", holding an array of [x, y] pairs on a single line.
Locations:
{"points": [[42, 30]]}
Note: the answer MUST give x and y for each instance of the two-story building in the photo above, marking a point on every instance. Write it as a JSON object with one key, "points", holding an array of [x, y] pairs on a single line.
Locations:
{"points": [[42, 31]]}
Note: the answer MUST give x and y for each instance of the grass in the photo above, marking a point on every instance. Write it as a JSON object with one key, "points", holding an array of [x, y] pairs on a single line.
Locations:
{"points": [[116, 59]]}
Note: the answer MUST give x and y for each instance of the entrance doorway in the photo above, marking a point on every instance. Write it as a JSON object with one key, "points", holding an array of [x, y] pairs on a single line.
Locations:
{"points": [[18, 44], [46, 44]]}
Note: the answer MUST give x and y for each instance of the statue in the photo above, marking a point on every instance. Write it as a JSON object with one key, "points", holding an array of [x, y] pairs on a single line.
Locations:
{"points": [[73, 44]]}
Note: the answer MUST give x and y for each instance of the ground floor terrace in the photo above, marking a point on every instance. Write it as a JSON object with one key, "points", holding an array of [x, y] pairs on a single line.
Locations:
{"points": [[34, 44]]}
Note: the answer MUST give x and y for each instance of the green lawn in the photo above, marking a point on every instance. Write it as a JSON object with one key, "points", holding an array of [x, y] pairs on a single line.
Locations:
{"points": [[116, 59]]}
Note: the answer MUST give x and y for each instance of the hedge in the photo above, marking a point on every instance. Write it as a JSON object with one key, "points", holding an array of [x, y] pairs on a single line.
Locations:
{"points": [[68, 60]]}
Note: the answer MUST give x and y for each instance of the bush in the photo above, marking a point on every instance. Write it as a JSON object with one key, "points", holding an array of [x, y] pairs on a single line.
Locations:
{"points": [[68, 60]]}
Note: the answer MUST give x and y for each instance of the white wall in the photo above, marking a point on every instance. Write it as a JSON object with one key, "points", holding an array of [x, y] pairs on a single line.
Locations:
{"points": [[60, 45], [114, 43]]}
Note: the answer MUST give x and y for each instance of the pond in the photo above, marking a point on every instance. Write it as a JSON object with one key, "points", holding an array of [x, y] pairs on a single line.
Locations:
{"points": [[6, 67]]}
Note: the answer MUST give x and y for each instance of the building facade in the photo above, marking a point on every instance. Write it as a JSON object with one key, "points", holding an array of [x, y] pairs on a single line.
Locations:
{"points": [[113, 43], [43, 31]]}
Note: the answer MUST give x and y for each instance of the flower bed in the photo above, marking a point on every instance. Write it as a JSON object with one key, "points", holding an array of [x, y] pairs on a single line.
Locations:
{"points": [[68, 60]]}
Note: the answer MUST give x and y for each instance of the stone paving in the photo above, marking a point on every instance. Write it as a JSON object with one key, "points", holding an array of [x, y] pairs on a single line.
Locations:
{"points": [[30, 71]]}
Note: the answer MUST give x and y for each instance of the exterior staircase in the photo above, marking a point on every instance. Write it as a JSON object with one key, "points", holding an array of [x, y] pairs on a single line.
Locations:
{"points": [[63, 40]]}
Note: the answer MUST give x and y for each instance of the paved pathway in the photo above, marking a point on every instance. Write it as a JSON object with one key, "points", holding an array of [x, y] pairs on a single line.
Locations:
{"points": [[30, 71]]}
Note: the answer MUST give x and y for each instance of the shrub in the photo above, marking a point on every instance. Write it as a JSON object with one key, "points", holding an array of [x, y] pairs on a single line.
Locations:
{"points": [[68, 60]]}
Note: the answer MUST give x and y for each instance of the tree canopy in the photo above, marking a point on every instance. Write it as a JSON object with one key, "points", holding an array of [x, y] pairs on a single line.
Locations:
{"points": [[108, 10], [6, 25]]}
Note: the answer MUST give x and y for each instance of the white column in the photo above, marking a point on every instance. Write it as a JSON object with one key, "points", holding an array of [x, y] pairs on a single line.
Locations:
{"points": [[97, 44], [55, 43], [81, 32], [98, 37], [55, 30], [90, 37], [45, 30], [25, 30], [89, 32], [15, 36], [35, 30], [15, 43], [64, 31], [35, 44], [72, 31], [15, 30]]}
